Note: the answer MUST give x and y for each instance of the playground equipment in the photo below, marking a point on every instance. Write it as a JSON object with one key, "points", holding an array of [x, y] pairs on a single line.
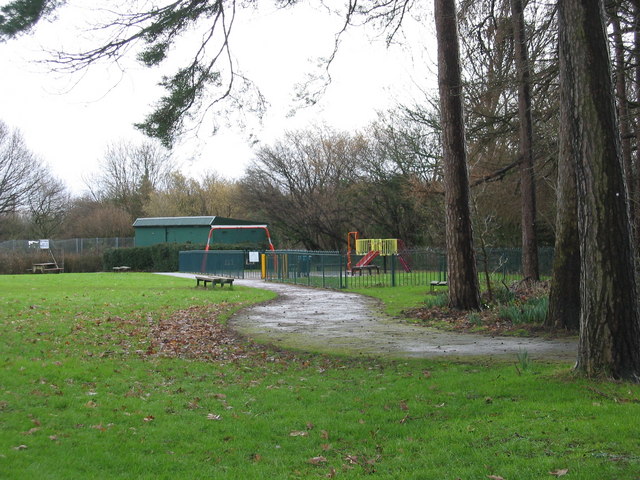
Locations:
{"points": [[371, 248]]}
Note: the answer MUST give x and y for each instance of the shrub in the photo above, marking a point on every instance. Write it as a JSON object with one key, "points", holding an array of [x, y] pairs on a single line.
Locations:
{"points": [[437, 300], [532, 311], [81, 263], [162, 257]]}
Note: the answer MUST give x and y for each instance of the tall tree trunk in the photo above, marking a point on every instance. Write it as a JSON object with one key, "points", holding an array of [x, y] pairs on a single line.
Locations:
{"points": [[464, 289], [609, 322], [635, 199], [527, 180], [623, 110], [564, 297]]}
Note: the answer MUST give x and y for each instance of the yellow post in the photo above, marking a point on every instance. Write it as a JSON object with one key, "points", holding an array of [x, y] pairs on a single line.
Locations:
{"points": [[263, 266]]}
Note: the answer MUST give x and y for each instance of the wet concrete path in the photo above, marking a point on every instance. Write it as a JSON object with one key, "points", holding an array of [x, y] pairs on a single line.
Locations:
{"points": [[332, 321]]}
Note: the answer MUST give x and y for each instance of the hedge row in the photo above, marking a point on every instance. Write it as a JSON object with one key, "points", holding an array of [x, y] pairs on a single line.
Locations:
{"points": [[163, 257], [156, 258], [18, 262]]}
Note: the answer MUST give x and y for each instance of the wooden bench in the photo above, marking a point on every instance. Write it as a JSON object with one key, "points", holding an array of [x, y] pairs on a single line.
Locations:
{"points": [[438, 283], [366, 268], [213, 281], [122, 268], [53, 270]]}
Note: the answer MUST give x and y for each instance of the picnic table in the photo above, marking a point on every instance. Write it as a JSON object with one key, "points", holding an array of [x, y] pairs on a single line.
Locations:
{"points": [[46, 267]]}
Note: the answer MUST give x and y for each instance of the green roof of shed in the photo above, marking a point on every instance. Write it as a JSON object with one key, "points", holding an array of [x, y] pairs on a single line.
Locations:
{"points": [[202, 221]]}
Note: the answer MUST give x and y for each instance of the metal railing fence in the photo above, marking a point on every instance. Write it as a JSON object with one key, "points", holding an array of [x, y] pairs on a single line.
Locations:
{"points": [[329, 269]]}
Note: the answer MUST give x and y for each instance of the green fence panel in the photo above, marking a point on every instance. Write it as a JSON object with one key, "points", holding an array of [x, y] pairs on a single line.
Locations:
{"points": [[329, 269], [228, 263]]}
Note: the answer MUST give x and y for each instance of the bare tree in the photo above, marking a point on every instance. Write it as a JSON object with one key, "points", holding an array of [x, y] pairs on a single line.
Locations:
{"points": [[48, 205], [87, 217], [527, 179], [209, 195], [20, 170], [303, 185], [399, 191], [129, 174]]}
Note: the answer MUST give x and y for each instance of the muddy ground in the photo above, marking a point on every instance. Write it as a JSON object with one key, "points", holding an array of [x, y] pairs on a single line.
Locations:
{"points": [[342, 322]]}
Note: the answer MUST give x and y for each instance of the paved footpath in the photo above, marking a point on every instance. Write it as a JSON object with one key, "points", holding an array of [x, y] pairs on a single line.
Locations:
{"points": [[334, 321]]}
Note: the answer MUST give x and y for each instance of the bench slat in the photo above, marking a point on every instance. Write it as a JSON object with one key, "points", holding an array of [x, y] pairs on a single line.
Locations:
{"points": [[213, 280]]}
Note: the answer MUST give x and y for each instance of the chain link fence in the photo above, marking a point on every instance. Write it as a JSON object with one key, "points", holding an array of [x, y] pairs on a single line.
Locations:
{"points": [[70, 255], [67, 246]]}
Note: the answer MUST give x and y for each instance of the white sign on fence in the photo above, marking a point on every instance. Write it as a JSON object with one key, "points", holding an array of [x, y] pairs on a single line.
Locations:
{"points": [[44, 244], [254, 257]]}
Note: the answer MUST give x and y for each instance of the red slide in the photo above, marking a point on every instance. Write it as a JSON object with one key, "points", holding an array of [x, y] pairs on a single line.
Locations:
{"points": [[368, 258]]}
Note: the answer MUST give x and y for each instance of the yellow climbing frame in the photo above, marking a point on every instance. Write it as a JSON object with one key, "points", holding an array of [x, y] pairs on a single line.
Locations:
{"points": [[386, 246]]}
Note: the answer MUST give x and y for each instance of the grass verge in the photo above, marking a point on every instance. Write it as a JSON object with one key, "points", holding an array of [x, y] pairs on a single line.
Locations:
{"points": [[83, 396]]}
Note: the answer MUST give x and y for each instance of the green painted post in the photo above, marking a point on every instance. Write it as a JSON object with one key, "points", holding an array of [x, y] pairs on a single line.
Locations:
{"points": [[393, 270]]}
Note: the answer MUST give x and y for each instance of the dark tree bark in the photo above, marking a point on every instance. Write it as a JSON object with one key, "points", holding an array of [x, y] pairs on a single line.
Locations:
{"points": [[622, 104], [635, 199], [527, 180], [609, 322], [464, 289], [564, 297]]}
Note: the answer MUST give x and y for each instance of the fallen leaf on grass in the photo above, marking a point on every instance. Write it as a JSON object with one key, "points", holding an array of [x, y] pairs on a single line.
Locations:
{"points": [[495, 477], [298, 433], [20, 447], [214, 416], [31, 431], [317, 460], [559, 473], [149, 418]]}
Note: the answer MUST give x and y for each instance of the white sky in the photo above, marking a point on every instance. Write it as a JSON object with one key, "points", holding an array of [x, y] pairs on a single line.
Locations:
{"points": [[70, 123]]}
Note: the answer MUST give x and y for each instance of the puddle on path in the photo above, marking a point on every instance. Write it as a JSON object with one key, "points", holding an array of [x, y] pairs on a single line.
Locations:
{"points": [[341, 322]]}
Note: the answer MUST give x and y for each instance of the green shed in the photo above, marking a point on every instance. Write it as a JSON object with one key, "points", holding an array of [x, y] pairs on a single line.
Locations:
{"points": [[150, 231]]}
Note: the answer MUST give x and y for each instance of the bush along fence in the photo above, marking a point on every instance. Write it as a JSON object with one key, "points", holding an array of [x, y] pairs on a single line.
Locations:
{"points": [[335, 270], [72, 255]]}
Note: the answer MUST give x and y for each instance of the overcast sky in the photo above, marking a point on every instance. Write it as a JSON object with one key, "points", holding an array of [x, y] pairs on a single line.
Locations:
{"points": [[69, 121]]}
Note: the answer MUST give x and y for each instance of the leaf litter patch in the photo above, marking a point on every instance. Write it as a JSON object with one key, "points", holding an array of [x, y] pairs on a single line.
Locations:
{"points": [[196, 333]]}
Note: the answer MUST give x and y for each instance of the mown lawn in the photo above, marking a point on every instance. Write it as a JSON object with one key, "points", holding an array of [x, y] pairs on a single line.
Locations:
{"points": [[88, 391]]}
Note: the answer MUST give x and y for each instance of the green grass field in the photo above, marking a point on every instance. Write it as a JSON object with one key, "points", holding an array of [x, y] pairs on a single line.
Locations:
{"points": [[84, 394]]}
